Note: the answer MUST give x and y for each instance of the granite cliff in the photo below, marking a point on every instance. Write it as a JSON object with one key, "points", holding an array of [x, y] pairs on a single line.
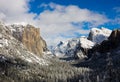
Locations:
{"points": [[30, 38]]}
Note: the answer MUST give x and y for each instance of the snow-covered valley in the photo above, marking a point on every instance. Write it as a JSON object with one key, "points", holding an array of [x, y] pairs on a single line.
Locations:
{"points": [[91, 55]]}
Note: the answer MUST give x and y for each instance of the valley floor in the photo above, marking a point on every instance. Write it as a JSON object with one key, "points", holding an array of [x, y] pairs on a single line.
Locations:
{"points": [[57, 71]]}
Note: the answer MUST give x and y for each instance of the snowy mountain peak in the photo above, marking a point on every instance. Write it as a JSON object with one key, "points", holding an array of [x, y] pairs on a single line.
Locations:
{"points": [[98, 35], [79, 46], [72, 46], [103, 30]]}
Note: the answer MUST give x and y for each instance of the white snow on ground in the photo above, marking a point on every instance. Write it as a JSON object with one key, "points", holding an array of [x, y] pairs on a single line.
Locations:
{"points": [[3, 42], [34, 58]]}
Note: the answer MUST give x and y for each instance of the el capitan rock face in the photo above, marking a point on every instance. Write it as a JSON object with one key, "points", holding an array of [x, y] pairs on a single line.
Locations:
{"points": [[30, 37], [32, 40]]}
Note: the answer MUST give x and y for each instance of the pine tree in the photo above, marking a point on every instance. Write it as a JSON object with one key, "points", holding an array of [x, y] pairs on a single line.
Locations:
{"points": [[109, 69]]}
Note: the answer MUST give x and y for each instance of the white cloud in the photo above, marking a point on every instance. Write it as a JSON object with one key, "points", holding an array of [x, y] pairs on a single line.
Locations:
{"points": [[53, 23], [16, 11], [60, 20], [71, 14]]}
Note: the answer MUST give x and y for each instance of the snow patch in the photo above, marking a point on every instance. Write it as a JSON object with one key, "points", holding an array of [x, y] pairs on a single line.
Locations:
{"points": [[3, 42], [35, 58], [29, 60], [85, 43]]}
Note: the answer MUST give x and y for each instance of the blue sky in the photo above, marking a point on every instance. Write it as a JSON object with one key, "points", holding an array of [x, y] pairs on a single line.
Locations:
{"points": [[102, 6], [62, 19], [106, 7]]}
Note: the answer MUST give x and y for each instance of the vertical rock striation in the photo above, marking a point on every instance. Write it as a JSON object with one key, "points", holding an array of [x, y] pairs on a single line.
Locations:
{"points": [[30, 37], [32, 40]]}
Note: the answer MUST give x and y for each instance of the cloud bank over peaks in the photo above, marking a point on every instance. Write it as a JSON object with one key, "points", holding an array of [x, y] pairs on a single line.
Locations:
{"points": [[57, 22]]}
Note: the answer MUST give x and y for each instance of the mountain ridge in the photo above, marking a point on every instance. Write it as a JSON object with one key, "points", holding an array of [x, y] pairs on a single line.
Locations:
{"points": [[13, 48], [79, 47]]}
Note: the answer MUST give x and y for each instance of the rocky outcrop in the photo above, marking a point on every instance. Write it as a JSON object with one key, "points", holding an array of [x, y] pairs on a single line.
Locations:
{"points": [[115, 37], [30, 37]]}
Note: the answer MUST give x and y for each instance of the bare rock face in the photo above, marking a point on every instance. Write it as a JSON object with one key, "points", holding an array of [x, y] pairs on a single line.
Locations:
{"points": [[115, 37], [32, 40]]}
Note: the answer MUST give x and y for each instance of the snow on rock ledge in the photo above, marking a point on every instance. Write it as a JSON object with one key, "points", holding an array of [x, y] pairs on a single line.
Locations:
{"points": [[79, 46], [85, 43], [10, 47]]}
